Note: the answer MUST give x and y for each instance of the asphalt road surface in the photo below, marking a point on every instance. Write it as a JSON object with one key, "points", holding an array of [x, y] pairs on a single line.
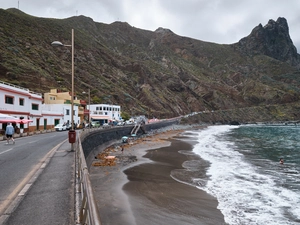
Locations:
{"points": [[36, 180]]}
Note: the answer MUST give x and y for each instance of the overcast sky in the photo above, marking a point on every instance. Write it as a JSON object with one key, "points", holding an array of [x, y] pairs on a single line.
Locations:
{"points": [[219, 21]]}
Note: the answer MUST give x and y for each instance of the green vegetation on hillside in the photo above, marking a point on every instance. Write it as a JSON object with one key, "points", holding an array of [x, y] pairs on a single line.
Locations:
{"points": [[157, 73]]}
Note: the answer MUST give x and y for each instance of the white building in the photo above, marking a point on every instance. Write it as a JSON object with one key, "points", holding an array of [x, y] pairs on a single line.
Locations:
{"points": [[105, 113], [62, 113], [21, 103], [24, 104]]}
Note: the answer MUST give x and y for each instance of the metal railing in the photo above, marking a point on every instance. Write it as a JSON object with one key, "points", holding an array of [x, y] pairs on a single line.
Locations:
{"points": [[88, 210]]}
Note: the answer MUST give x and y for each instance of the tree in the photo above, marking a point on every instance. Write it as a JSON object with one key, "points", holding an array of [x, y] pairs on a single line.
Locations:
{"points": [[125, 116]]}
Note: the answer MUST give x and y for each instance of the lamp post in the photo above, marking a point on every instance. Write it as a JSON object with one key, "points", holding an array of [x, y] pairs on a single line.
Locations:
{"points": [[72, 133], [89, 93]]}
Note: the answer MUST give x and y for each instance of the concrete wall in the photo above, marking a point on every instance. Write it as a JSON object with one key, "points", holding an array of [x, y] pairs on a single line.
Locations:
{"points": [[97, 140]]}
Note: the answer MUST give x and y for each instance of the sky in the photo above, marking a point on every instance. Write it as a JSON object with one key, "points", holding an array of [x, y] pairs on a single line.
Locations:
{"points": [[218, 21]]}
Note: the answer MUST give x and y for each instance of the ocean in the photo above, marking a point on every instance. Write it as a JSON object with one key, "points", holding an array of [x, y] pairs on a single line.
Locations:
{"points": [[244, 174]]}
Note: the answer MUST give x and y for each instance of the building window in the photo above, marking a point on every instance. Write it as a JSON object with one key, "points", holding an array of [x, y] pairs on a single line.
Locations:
{"points": [[67, 111], [9, 100], [35, 107], [52, 98], [21, 101]]}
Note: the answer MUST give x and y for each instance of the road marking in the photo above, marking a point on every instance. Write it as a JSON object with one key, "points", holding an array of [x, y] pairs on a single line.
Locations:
{"points": [[53, 135], [31, 142], [25, 189], [6, 151], [43, 165]]}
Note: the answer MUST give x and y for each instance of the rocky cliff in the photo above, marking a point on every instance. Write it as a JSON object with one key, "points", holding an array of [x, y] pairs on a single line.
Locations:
{"points": [[153, 73], [271, 40]]}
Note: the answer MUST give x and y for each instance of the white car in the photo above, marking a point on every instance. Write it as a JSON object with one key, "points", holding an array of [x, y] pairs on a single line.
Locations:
{"points": [[95, 124], [129, 122], [60, 127]]}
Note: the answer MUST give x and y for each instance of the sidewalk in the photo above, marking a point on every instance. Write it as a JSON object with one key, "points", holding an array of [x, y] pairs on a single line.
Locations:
{"points": [[50, 200]]}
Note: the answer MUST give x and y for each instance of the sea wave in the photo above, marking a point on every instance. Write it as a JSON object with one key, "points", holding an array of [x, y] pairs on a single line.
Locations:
{"points": [[250, 188]]}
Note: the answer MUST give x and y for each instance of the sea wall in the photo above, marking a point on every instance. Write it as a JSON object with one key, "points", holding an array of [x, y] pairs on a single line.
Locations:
{"points": [[97, 140]]}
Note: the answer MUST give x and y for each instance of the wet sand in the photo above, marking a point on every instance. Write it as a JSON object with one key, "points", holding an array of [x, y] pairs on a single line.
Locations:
{"points": [[144, 193]]}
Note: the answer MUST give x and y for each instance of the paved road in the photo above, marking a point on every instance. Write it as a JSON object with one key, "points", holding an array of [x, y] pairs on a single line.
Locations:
{"points": [[37, 180]]}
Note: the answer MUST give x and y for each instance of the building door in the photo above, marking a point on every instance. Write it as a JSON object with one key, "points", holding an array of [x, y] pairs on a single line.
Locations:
{"points": [[45, 124], [56, 121], [38, 124]]}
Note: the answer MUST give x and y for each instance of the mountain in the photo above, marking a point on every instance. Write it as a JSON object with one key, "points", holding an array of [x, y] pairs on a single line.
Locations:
{"points": [[152, 73], [272, 40]]}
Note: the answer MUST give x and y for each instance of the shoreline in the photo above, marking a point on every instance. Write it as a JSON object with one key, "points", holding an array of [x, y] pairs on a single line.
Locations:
{"points": [[143, 191]]}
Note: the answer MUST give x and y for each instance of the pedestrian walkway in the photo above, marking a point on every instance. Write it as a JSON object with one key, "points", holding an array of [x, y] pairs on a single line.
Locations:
{"points": [[51, 199]]}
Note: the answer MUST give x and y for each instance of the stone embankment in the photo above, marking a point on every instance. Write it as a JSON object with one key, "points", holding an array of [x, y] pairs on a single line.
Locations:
{"points": [[95, 141]]}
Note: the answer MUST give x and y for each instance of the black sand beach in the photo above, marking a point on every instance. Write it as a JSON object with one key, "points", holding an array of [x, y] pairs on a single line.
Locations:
{"points": [[144, 193]]}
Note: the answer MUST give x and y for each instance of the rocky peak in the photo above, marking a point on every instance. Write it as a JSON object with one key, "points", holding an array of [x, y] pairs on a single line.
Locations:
{"points": [[161, 30], [272, 40]]}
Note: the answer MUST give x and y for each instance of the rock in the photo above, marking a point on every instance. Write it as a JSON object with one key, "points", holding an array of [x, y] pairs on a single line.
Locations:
{"points": [[272, 40], [234, 123]]}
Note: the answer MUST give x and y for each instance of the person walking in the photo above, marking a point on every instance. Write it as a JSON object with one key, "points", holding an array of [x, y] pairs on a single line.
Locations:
{"points": [[9, 133]]}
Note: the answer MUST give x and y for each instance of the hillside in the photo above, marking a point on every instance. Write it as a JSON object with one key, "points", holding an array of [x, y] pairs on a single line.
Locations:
{"points": [[153, 73]]}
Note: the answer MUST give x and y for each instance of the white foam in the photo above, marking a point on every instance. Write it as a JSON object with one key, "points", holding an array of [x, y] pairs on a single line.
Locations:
{"points": [[245, 196]]}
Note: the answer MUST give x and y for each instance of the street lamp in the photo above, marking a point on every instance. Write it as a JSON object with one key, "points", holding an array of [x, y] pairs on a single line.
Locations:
{"points": [[72, 133], [89, 93]]}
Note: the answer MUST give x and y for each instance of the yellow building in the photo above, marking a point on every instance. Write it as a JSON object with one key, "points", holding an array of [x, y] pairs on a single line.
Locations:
{"points": [[57, 97]]}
